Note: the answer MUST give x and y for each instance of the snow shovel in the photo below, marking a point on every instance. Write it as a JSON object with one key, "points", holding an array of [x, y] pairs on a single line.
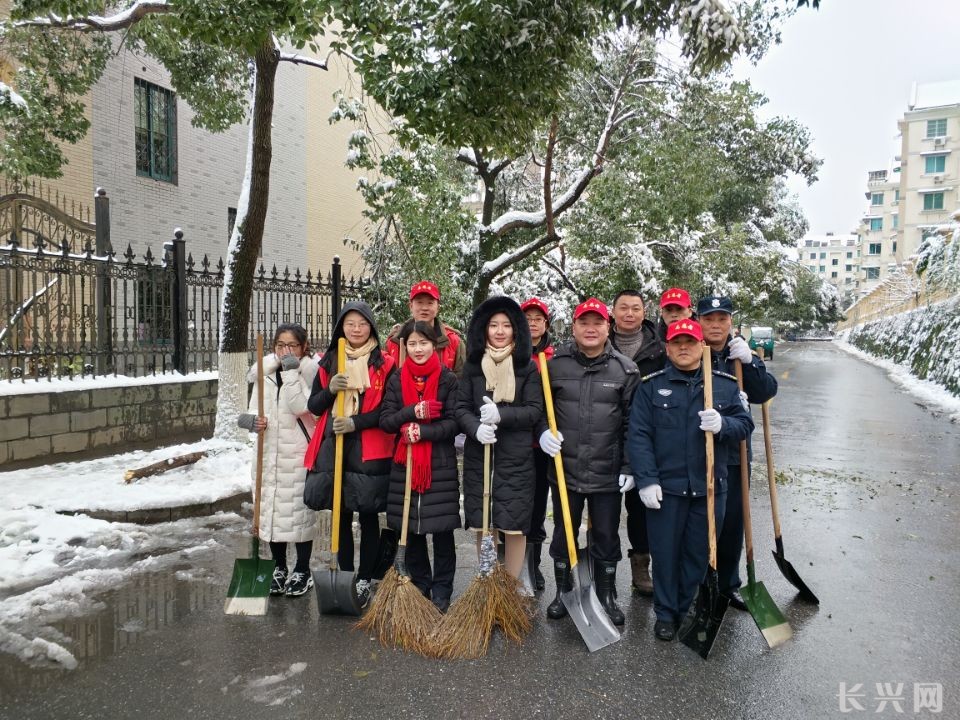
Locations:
{"points": [[336, 589], [710, 605], [771, 622], [581, 602], [250, 585], [785, 567]]}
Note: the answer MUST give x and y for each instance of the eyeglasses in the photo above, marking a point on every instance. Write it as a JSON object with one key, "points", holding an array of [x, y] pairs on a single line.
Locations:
{"points": [[536, 320], [287, 346], [358, 325]]}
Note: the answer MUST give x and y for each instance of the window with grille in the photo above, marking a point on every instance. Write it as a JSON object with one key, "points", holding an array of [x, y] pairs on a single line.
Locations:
{"points": [[155, 118], [937, 128]]}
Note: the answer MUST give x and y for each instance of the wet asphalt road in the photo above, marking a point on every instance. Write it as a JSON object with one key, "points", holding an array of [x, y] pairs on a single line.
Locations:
{"points": [[869, 502]]}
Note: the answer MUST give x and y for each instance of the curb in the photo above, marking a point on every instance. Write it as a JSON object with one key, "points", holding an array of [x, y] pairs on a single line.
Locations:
{"points": [[151, 516]]}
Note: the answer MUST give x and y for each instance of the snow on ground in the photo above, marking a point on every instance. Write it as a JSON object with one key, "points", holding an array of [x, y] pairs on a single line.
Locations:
{"points": [[930, 392], [99, 382], [53, 565]]}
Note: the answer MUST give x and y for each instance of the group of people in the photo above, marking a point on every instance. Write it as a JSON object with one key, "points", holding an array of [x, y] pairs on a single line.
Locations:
{"points": [[629, 406]]}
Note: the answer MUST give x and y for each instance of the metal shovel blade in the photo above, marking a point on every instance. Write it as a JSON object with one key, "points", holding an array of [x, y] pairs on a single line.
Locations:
{"points": [[336, 592], [584, 567], [588, 615], [771, 622], [791, 574], [700, 633]]}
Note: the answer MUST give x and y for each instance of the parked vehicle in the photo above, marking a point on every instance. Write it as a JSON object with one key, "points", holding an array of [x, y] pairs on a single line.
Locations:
{"points": [[762, 337]]}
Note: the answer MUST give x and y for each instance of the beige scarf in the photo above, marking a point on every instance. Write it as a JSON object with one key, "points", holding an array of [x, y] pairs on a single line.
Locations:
{"points": [[497, 367], [358, 376]]}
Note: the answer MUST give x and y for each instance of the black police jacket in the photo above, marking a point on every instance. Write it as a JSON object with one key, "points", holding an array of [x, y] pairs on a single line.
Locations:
{"points": [[665, 443]]}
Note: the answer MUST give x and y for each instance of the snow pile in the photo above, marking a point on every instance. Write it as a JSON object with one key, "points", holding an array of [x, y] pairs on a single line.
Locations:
{"points": [[97, 382], [918, 348], [99, 485]]}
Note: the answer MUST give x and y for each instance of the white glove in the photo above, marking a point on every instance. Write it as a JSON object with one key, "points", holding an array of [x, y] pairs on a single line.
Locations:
{"points": [[744, 401], [489, 412], [487, 434], [738, 349], [710, 421], [651, 495], [550, 444], [626, 483]]}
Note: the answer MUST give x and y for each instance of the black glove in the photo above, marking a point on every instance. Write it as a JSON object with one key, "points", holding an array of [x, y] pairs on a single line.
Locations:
{"points": [[343, 425], [289, 362], [338, 383]]}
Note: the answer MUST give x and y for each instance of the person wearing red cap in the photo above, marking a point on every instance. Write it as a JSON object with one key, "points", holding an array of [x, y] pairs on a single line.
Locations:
{"points": [[592, 386], [674, 305], [538, 319], [667, 452], [424, 306]]}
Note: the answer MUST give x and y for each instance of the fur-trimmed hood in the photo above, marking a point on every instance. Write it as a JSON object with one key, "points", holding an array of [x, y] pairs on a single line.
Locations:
{"points": [[477, 330]]}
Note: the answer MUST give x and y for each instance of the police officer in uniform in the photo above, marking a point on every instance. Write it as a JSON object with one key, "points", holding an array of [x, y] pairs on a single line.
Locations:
{"points": [[667, 452], [716, 318], [592, 388]]}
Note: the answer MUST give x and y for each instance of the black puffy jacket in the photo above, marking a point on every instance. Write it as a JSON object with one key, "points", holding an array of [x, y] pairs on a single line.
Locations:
{"points": [[651, 355], [514, 478], [438, 509], [591, 399]]}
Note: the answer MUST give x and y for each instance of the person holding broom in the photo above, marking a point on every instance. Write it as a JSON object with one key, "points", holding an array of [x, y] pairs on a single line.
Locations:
{"points": [[667, 451], [287, 423], [367, 450], [500, 400], [538, 318], [716, 317], [592, 386], [419, 408]]}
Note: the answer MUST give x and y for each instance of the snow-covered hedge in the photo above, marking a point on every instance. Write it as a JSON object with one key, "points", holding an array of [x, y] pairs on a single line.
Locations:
{"points": [[925, 340]]}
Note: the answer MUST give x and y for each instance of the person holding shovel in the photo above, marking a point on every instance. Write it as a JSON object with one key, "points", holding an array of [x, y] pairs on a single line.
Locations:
{"points": [[716, 317], [500, 400], [538, 318], [636, 337], [288, 374], [592, 387], [667, 451], [367, 450], [419, 408]]}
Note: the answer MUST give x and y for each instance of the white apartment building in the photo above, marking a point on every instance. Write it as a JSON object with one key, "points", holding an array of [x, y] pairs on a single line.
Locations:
{"points": [[833, 258], [880, 226], [930, 162]]}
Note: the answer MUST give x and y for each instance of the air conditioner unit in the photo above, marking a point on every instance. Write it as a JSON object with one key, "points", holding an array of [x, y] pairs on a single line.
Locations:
{"points": [[937, 179], [939, 142]]}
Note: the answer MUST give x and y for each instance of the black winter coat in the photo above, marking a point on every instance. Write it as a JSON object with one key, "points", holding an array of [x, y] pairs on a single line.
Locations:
{"points": [[651, 356], [591, 398], [364, 483], [438, 509], [513, 474]]}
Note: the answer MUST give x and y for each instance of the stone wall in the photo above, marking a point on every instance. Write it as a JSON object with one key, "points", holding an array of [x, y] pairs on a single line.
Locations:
{"points": [[55, 426]]}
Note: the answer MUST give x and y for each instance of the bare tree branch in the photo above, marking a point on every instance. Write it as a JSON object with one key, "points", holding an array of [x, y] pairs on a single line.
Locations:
{"points": [[131, 16], [564, 278]]}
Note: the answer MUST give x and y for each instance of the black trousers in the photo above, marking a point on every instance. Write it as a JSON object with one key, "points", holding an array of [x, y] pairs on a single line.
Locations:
{"points": [[636, 523], [435, 583], [369, 543], [304, 551], [604, 509], [730, 540], [538, 532]]}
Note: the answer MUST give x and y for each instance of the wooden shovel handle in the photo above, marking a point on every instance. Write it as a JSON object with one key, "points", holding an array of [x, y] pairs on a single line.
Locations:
{"points": [[338, 457], [708, 404], [771, 475], [558, 461], [260, 439], [744, 479]]}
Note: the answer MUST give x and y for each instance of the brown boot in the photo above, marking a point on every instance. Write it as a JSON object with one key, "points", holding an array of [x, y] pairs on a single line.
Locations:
{"points": [[640, 569]]}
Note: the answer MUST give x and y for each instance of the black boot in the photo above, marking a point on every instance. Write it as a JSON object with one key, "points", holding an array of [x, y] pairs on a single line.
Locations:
{"points": [[606, 579], [561, 571], [538, 581]]}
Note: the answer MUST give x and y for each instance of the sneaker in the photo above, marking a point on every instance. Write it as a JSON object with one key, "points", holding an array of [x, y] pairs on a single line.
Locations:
{"points": [[279, 582], [299, 583], [363, 592]]}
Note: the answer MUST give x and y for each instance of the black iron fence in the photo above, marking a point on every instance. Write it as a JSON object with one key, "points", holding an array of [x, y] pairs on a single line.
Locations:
{"points": [[71, 307]]}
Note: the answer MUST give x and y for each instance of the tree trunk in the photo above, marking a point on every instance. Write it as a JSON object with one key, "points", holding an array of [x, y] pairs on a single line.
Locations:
{"points": [[244, 250]]}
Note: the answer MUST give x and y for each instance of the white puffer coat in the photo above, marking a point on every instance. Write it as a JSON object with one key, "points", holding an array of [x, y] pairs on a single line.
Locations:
{"points": [[283, 516]]}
